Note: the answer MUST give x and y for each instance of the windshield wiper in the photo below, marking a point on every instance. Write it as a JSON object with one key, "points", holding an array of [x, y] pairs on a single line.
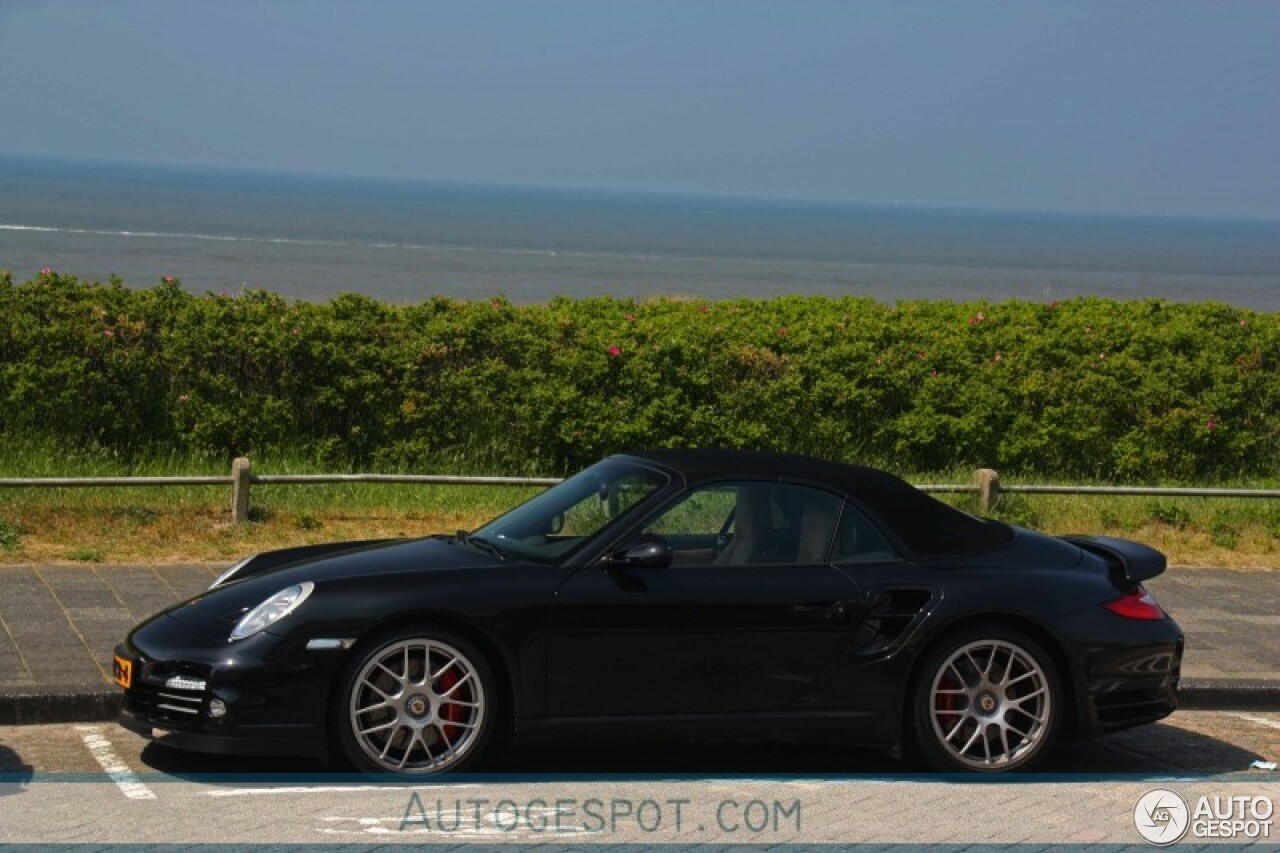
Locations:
{"points": [[482, 544]]}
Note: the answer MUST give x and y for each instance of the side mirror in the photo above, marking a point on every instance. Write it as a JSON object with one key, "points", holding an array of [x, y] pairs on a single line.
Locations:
{"points": [[649, 555]]}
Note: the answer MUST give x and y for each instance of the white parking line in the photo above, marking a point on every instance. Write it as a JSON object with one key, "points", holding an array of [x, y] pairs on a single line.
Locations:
{"points": [[1262, 721], [100, 748], [303, 789], [315, 789]]}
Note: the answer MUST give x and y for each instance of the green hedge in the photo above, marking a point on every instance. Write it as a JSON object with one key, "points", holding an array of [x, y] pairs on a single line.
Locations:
{"points": [[1085, 388]]}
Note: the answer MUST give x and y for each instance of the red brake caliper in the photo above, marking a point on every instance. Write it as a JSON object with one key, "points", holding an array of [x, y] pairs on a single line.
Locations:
{"points": [[450, 712], [945, 703]]}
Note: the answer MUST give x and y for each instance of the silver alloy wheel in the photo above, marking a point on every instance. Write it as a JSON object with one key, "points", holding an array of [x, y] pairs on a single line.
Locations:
{"points": [[990, 704], [417, 706]]}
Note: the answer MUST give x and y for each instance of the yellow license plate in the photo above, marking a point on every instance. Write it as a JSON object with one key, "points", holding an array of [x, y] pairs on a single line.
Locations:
{"points": [[123, 672]]}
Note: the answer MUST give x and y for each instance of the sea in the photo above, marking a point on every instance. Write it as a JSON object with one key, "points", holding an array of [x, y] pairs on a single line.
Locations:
{"points": [[312, 237]]}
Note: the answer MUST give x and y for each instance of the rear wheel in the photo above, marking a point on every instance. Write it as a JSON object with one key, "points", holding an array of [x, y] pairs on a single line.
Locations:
{"points": [[987, 699], [417, 702]]}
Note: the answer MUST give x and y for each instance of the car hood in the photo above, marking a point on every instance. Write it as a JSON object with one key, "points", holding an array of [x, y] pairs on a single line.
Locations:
{"points": [[343, 560]]}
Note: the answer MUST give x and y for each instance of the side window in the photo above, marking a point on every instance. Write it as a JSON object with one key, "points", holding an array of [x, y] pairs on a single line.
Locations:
{"points": [[744, 524], [704, 512], [610, 500], [858, 540]]}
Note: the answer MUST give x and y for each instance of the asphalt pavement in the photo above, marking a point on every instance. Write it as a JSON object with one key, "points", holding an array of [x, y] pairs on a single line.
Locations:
{"points": [[59, 624]]}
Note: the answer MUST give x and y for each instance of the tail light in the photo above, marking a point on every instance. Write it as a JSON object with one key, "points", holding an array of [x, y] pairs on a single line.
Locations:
{"points": [[1138, 604]]}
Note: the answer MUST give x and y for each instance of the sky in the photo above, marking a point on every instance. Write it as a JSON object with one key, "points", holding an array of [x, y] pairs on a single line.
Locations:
{"points": [[1164, 107]]}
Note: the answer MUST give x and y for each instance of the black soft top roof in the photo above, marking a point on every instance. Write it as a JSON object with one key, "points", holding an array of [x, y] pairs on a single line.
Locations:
{"points": [[927, 526]]}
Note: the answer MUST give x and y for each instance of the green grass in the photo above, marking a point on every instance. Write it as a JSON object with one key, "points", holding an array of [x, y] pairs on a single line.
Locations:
{"points": [[139, 504], [192, 522], [10, 535]]}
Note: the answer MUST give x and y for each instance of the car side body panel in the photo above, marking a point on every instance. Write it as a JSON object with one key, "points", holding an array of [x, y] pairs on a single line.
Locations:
{"points": [[583, 647]]}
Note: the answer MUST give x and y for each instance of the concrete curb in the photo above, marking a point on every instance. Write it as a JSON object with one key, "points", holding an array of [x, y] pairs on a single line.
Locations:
{"points": [[60, 706], [1229, 694], [94, 706]]}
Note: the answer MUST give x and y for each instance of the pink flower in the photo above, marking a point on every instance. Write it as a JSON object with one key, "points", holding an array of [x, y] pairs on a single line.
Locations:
{"points": [[783, 331], [614, 351], [168, 279], [108, 333], [920, 355], [296, 330], [1211, 424], [703, 308], [182, 398], [1243, 322], [631, 318], [45, 271]]}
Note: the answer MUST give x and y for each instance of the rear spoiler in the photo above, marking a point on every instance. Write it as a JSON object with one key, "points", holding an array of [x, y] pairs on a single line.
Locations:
{"points": [[1129, 560]]}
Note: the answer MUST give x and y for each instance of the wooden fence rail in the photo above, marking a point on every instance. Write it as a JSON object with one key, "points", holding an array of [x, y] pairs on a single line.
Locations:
{"points": [[986, 484]]}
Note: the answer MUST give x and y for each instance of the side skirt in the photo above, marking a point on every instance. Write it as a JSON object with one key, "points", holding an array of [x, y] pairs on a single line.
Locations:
{"points": [[851, 728]]}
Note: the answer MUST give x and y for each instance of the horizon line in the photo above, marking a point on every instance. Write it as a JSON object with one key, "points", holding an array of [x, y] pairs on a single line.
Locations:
{"points": [[633, 193]]}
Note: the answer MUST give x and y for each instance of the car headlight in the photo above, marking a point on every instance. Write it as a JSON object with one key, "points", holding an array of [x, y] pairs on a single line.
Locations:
{"points": [[272, 610], [231, 572]]}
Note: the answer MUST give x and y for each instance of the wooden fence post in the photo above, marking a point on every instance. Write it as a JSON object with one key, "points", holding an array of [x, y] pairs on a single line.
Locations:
{"points": [[240, 469], [988, 490]]}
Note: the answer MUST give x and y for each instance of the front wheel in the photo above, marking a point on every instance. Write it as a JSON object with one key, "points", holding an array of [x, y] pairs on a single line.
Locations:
{"points": [[987, 699], [416, 702]]}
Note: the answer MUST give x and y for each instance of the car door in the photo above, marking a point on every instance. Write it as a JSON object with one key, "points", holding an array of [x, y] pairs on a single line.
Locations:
{"points": [[743, 619]]}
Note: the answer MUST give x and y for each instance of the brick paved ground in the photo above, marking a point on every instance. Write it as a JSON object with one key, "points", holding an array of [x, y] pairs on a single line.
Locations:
{"points": [[59, 624]]}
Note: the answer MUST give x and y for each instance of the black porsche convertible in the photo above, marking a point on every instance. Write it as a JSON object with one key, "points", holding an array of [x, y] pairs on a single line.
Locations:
{"points": [[673, 594]]}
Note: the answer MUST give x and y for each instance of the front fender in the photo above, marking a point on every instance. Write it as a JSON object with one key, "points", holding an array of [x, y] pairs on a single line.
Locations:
{"points": [[267, 561]]}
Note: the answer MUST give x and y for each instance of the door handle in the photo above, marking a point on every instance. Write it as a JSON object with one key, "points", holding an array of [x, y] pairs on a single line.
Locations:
{"points": [[826, 611]]}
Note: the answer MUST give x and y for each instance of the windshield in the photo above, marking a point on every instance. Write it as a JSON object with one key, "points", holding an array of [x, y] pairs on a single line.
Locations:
{"points": [[558, 520]]}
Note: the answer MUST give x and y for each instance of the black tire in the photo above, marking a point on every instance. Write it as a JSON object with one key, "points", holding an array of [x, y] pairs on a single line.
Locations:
{"points": [[987, 699], [391, 718]]}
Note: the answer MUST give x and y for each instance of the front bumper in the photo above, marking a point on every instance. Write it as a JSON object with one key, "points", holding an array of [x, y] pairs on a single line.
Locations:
{"points": [[275, 692], [261, 743]]}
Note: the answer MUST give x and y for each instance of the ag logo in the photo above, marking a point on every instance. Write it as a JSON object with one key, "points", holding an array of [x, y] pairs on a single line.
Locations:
{"points": [[1161, 816]]}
